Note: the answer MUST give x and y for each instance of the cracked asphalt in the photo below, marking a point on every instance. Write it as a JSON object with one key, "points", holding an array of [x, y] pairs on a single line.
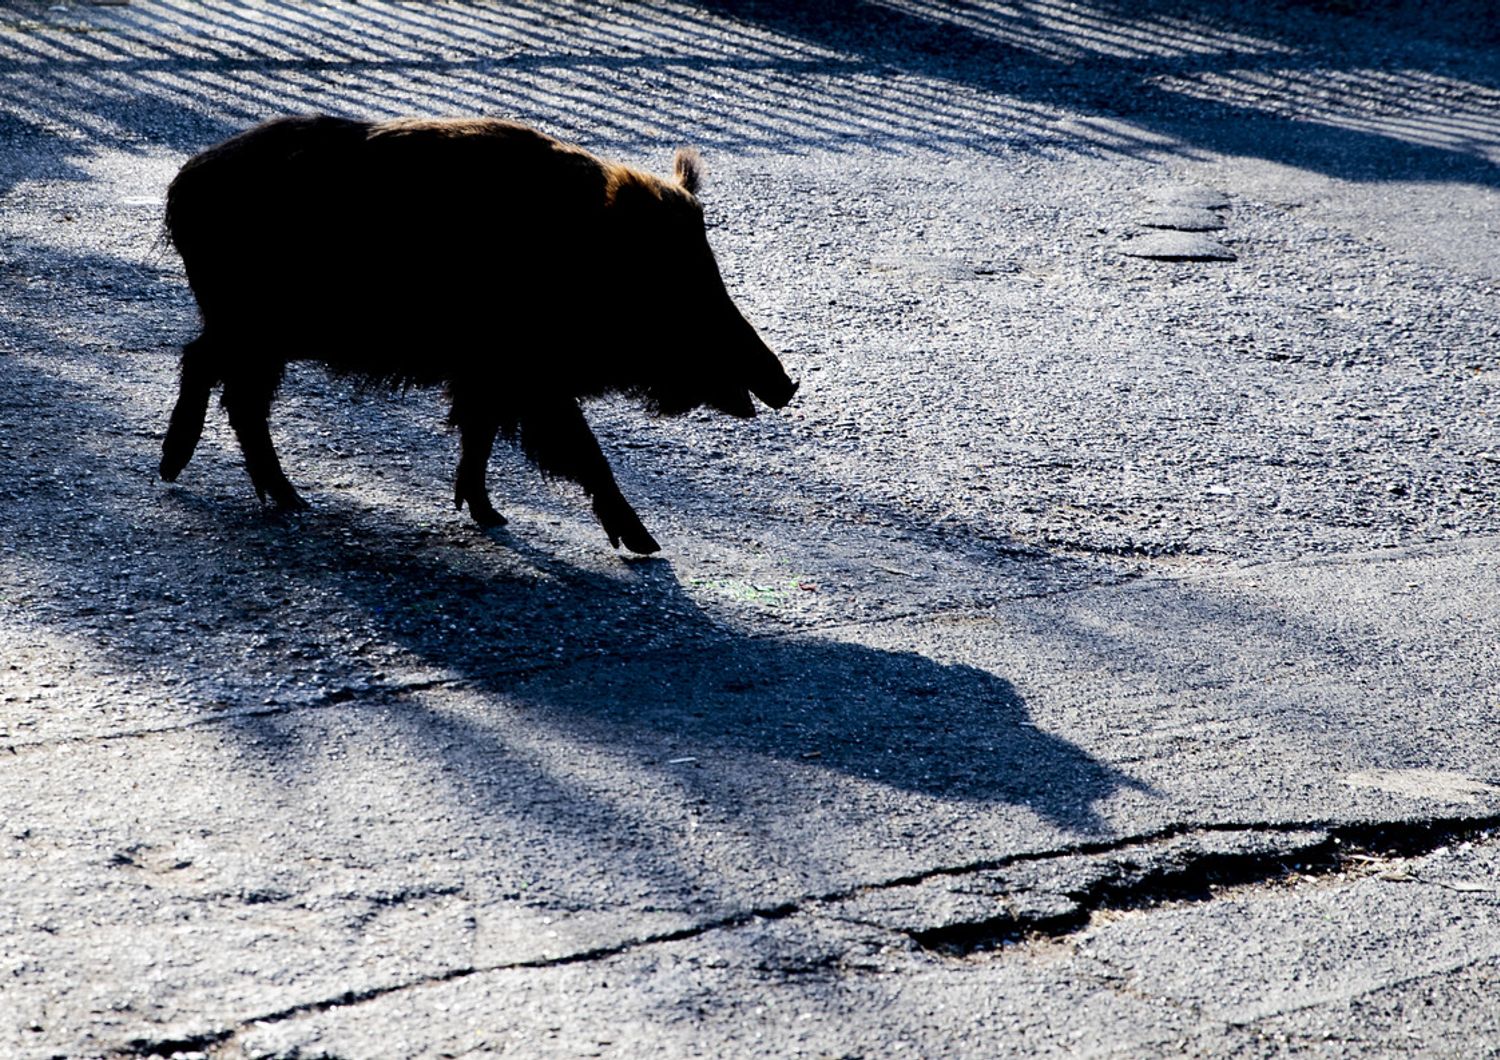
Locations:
{"points": [[1098, 657]]}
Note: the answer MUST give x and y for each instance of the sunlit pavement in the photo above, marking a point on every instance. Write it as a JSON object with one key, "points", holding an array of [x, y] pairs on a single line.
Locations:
{"points": [[1097, 657]]}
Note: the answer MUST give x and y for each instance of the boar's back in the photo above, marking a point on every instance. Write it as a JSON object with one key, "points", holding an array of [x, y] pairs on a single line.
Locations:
{"points": [[395, 250]]}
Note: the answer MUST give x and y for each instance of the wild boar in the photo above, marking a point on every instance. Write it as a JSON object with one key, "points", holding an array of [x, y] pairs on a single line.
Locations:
{"points": [[520, 273]]}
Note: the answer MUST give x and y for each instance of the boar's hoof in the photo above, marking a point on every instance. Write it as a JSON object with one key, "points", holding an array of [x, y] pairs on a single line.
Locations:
{"points": [[623, 526], [485, 515], [638, 541], [283, 500], [480, 509], [172, 465]]}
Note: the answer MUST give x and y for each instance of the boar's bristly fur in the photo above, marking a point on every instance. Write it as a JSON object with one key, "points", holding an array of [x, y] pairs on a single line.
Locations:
{"points": [[522, 274]]}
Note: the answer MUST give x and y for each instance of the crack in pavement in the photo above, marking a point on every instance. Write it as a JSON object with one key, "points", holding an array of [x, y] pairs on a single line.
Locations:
{"points": [[165, 1047], [1321, 849], [1155, 874], [1147, 876]]}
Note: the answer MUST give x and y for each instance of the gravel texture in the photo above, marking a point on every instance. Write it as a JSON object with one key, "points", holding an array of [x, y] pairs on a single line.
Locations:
{"points": [[1097, 657]]}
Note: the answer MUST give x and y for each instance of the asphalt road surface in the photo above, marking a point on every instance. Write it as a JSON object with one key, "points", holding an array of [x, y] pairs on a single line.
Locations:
{"points": [[1100, 656]]}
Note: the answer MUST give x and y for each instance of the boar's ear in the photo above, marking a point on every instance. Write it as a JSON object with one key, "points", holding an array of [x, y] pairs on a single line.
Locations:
{"points": [[688, 168]]}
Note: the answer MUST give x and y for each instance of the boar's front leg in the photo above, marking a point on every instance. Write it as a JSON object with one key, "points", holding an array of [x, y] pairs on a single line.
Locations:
{"points": [[557, 438], [248, 391], [477, 427]]}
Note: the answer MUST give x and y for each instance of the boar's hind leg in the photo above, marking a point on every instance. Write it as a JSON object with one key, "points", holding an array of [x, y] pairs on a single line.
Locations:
{"points": [[557, 438], [247, 398], [476, 438], [186, 426]]}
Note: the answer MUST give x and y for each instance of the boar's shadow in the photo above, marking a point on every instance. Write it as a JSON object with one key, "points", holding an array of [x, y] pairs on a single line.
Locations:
{"points": [[637, 664]]}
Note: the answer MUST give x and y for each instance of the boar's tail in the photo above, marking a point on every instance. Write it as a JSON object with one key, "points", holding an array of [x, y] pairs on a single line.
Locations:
{"points": [[199, 376]]}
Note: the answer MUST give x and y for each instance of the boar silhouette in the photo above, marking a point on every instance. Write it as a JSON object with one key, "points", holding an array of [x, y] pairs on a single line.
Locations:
{"points": [[522, 274]]}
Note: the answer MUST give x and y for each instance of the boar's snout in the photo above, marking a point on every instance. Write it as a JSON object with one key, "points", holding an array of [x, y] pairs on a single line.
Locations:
{"points": [[748, 367], [777, 388], [764, 375]]}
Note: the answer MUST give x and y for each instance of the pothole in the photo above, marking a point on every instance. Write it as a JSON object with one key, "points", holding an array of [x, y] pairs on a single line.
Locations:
{"points": [[1051, 897]]}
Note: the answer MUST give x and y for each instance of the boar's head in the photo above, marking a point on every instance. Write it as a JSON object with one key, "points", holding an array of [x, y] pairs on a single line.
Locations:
{"points": [[674, 289]]}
